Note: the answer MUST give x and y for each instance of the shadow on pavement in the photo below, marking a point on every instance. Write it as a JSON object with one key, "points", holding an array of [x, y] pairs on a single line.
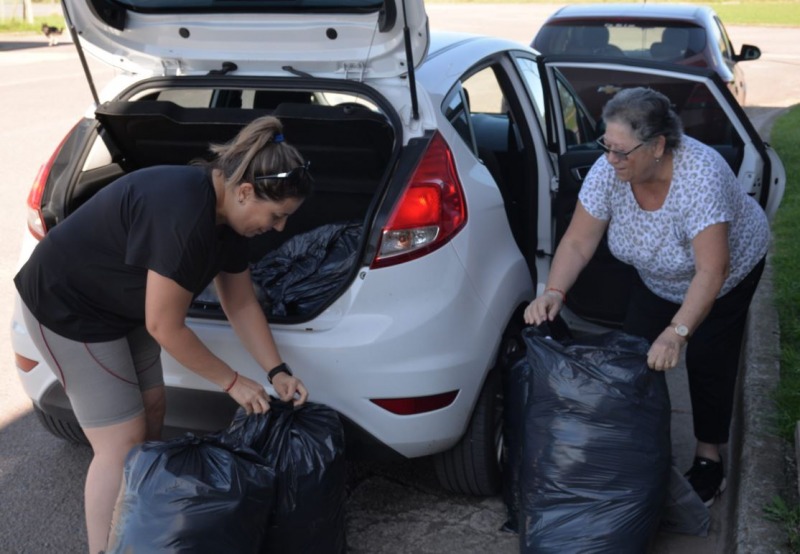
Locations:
{"points": [[27, 44], [42, 481]]}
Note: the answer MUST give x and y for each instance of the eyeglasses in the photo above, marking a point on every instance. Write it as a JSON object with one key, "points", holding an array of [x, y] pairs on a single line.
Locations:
{"points": [[293, 176], [601, 142]]}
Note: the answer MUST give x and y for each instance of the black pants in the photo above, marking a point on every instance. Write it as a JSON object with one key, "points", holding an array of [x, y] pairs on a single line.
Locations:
{"points": [[712, 355]]}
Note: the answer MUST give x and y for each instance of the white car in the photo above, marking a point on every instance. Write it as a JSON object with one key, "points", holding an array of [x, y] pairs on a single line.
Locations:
{"points": [[454, 161]]}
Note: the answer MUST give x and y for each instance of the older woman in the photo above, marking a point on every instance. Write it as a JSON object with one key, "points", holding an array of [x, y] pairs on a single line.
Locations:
{"points": [[672, 209], [111, 285]]}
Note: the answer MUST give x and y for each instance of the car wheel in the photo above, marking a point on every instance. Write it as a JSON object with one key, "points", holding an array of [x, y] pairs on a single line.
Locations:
{"points": [[67, 430], [472, 466]]}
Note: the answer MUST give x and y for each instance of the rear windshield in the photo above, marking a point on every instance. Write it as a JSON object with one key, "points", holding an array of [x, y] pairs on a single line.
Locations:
{"points": [[252, 6], [651, 41]]}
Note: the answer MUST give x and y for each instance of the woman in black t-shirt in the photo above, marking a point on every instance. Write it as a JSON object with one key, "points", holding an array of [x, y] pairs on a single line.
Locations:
{"points": [[111, 285]]}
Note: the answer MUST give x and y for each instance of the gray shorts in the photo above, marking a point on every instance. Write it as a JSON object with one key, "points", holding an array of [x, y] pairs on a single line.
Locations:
{"points": [[103, 380]]}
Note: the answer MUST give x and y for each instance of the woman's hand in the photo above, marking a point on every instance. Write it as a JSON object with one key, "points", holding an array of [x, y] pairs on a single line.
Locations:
{"points": [[289, 388], [665, 351], [250, 395], [544, 308]]}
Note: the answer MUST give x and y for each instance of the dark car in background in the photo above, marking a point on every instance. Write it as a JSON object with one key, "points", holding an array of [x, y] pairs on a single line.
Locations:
{"points": [[673, 33]]}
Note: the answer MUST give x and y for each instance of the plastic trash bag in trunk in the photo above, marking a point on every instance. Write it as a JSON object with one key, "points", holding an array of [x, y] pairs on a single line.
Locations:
{"points": [[596, 456], [192, 495], [305, 447], [300, 275]]}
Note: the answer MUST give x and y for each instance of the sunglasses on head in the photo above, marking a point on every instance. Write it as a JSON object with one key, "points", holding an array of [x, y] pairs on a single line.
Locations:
{"points": [[297, 174]]}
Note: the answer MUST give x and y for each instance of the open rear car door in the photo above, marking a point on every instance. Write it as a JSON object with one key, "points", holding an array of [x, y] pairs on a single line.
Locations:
{"points": [[578, 90]]}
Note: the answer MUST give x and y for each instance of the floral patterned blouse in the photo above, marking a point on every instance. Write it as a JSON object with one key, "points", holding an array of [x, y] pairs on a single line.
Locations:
{"points": [[704, 191]]}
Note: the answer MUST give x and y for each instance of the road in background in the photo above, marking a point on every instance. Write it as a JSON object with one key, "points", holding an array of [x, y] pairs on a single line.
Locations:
{"points": [[394, 508]]}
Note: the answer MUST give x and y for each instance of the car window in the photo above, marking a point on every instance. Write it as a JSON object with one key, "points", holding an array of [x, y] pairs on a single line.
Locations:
{"points": [[491, 110], [484, 93], [456, 110], [576, 134], [478, 100], [186, 98], [701, 113], [248, 99], [723, 42], [663, 41]]}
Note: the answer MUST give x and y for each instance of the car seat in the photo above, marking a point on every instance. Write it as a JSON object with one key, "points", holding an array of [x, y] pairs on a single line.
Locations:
{"points": [[673, 46], [594, 40]]}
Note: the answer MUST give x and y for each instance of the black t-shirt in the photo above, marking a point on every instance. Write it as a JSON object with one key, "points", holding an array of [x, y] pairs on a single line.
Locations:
{"points": [[86, 279]]}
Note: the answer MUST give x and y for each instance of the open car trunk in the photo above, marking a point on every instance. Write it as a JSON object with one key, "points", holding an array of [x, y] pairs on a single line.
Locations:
{"points": [[297, 272]]}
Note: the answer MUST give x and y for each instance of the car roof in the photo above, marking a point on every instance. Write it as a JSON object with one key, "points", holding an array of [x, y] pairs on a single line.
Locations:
{"points": [[686, 12]]}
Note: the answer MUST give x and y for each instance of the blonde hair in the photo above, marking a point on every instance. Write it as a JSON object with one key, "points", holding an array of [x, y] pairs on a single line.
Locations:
{"points": [[259, 149]]}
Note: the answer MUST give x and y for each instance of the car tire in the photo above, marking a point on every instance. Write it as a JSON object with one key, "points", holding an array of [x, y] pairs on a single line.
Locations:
{"points": [[70, 431], [472, 466]]}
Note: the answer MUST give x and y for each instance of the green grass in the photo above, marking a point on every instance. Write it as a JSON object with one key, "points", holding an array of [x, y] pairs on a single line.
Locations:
{"points": [[785, 14], [785, 138], [20, 26], [787, 516]]}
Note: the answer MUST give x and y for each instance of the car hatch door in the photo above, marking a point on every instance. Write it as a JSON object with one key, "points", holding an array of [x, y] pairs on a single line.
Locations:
{"points": [[578, 88]]}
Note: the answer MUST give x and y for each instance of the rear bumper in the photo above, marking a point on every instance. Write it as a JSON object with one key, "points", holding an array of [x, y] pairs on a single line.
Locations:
{"points": [[217, 413]]}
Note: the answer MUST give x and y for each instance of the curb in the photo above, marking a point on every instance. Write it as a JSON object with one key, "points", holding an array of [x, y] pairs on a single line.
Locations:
{"points": [[757, 461]]}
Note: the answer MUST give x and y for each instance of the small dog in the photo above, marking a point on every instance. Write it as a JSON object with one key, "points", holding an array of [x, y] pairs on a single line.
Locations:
{"points": [[52, 33]]}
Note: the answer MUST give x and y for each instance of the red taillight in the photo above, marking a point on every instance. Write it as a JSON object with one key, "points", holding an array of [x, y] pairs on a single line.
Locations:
{"points": [[25, 364], [430, 211], [36, 224], [35, 220], [416, 404]]}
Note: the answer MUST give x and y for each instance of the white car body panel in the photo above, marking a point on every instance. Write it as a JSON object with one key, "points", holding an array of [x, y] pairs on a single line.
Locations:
{"points": [[335, 45]]}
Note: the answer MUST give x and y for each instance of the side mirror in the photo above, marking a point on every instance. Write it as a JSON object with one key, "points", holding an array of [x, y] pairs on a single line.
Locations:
{"points": [[748, 52]]}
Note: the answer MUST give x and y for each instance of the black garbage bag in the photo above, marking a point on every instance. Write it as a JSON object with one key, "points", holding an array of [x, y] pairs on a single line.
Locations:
{"points": [[596, 455], [305, 447], [192, 495], [515, 396], [300, 275], [516, 375], [684, 512]]}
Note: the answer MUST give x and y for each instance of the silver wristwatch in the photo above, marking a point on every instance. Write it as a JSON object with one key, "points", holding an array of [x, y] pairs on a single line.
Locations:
{"points": [[681, 330]]}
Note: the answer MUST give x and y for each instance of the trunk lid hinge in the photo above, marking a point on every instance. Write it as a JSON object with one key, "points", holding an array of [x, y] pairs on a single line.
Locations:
{"points": [[357, 68], [171, 67]]}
